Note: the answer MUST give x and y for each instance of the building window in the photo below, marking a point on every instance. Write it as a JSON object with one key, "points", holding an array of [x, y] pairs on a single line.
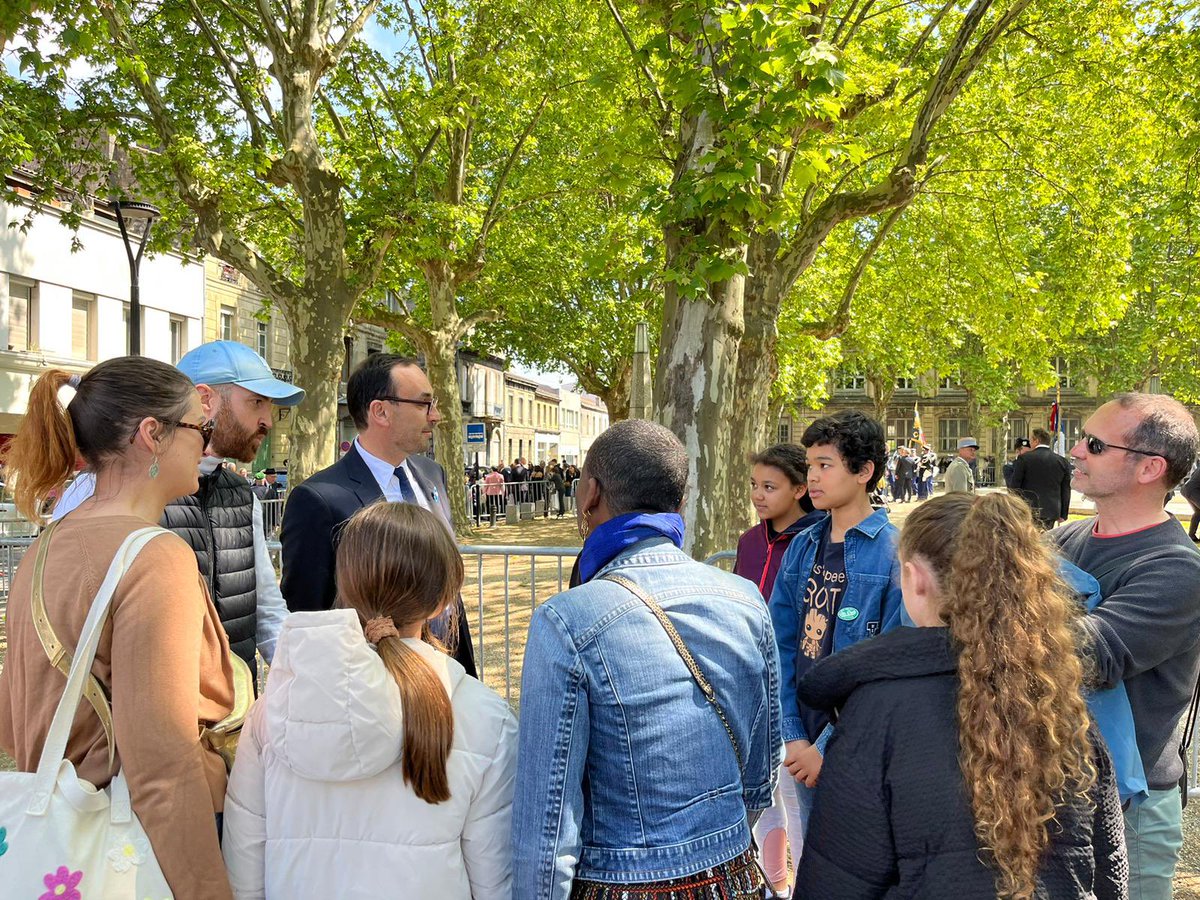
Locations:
{"points": [[178, 339], [1062, 369], [1017, 428], [1071, 426], [264, 340], [900, 429], [22, 309], [906, 384], [229, 274], [785, 432], [949, 383], [511, 419], [850, 381], [83, 326], [949, 433], [227, 315]]}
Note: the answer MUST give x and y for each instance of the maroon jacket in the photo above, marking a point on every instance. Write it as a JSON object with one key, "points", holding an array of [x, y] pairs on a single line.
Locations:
{"points": [[758, 556]]}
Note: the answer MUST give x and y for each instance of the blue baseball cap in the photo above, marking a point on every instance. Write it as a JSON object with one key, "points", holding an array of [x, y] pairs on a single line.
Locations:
{"points": [[228, 362]]}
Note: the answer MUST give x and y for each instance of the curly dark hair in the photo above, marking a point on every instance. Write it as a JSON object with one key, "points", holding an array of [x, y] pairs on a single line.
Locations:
{"points": [[859, 440]]}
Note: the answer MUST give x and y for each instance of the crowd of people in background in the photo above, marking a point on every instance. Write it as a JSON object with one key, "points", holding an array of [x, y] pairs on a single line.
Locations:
{"points": [[967, 708], [548, 485]]}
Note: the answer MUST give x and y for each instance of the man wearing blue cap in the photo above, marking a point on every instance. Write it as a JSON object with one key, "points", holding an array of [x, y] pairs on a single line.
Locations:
{"points": [[223, 520]]}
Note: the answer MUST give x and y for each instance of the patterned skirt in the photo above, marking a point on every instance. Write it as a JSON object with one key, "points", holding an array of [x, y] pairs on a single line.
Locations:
{"points": [[738, 879]]}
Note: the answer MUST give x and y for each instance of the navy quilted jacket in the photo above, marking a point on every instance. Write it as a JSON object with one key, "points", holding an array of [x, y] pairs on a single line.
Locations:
{"points": [[891, 817]]}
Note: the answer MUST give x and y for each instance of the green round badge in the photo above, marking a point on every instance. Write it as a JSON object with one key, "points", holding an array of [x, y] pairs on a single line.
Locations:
{"points": [[847, 614]]}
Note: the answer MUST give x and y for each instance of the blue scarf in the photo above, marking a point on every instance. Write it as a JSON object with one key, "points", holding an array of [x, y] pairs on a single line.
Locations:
{"points": [[622, 532]]}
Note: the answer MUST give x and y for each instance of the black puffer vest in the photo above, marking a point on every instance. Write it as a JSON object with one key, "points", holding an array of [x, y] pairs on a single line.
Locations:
{"points": [[218, 523]]}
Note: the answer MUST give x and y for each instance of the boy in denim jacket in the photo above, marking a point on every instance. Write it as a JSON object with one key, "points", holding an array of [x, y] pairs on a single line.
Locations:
{"points": [[839, 581]]}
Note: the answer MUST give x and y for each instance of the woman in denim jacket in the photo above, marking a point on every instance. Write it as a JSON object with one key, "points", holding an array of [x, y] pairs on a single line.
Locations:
{"points": [[629, 781]]}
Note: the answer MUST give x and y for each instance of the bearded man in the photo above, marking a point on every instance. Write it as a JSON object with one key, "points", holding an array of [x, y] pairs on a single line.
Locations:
{"points": [[223, 520]]}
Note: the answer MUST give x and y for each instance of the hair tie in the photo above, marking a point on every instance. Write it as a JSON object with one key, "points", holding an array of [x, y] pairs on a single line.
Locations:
{"points": [[380, 627], [75, 380]]}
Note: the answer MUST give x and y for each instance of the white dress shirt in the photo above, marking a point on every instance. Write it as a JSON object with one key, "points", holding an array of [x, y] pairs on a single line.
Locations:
{"points": [[389, 484]]}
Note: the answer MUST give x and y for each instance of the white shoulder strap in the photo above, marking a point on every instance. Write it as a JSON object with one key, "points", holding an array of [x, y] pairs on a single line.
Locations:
{"points": [[55, 746]]}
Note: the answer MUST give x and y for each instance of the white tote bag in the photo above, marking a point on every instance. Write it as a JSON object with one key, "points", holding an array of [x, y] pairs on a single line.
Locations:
{"points": [[60, 837]]}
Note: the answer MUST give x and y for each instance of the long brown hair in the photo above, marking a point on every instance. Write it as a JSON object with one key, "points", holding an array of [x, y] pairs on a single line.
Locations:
{"points": [[398, 560], [109, 403], [1022, 721]]}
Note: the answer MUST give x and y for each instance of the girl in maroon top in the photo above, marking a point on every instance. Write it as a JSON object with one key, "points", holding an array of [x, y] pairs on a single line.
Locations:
{"points": [[779, 490]]}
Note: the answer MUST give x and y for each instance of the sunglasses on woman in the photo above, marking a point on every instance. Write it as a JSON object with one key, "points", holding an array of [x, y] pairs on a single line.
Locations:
{"points": [[206, 430], [1096, 446]]}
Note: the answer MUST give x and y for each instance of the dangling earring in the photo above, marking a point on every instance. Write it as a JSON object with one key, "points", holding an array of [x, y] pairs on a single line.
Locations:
{"points": [[585, 525], [154, 467]]}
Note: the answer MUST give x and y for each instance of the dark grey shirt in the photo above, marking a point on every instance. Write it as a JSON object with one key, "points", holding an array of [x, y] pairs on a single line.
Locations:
{"points": [[1146, 633]]}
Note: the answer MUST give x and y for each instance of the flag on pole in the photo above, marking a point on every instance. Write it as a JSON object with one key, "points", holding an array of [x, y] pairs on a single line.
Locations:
{"points": [[1060, 427], [918, 431]]}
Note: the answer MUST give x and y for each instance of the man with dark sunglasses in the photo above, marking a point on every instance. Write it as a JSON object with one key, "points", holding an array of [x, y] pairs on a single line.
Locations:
{"points": [[1146, 633]]}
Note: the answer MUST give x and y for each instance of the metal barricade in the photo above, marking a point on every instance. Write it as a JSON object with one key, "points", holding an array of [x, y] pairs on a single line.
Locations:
{"points": [[272, 511]]}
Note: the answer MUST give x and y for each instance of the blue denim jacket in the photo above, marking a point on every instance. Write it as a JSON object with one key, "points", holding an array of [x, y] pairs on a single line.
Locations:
{"points": [[625, 772], [870, 605]]}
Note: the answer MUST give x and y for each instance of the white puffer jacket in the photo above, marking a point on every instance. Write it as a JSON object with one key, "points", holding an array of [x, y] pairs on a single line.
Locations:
{"points": [[317, 806]]}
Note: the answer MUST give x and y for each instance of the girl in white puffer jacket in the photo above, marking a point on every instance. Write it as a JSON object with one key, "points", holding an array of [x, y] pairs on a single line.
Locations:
{"points": [[373, 765]]}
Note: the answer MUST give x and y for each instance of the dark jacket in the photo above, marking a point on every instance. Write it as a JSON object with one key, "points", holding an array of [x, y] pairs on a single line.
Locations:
{"points": [[1043, 478], [891, 816], [759, 556], [906, 467], [218, 523], [315, 511]]}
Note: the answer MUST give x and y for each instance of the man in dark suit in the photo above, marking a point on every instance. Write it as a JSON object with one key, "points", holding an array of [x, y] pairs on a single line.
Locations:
{"points": [[392, 404], [1043, 478]]}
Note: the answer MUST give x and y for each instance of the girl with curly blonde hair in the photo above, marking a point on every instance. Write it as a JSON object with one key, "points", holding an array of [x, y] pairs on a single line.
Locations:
{"points": [[964, 763]]}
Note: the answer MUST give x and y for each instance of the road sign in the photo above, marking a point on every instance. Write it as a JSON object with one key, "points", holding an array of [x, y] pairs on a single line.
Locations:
{"points": [[476, 433]]}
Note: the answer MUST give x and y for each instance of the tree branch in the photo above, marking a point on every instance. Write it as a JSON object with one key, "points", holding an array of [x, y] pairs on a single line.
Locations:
{"points": [[489, 217], [412, 21], [352, 31], [641, 64], [840, 320], [370, 314], [247, 102]]}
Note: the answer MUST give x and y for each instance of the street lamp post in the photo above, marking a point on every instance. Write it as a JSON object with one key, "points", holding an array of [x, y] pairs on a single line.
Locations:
{"points": [[130, 211]]}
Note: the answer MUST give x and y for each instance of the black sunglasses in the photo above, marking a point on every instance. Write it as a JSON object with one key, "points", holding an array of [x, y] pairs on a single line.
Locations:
{"points": [[206, 430], [428, 404], [1096, 446]]}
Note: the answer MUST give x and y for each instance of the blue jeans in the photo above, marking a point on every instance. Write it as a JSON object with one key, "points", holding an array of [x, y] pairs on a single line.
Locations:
{"points": [[1153, 838]]}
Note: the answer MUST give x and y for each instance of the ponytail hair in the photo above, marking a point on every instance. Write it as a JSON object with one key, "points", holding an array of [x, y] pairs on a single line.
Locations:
{"points": [[1022, 720], [397, 560], [42, 455], [109, 403]]}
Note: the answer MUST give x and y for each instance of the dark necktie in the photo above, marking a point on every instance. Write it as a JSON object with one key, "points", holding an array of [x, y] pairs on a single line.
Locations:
{"points": [[406, 488]]}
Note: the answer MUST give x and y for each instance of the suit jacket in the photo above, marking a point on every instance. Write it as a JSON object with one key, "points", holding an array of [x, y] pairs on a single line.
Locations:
{"points": [[312, 519], [1043, 478]]}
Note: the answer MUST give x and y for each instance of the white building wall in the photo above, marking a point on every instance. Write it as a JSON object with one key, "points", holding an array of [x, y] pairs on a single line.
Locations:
{"points": [[42, 255]]}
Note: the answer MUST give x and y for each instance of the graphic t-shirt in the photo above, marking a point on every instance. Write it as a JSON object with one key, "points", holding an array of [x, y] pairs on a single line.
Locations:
{"points": [[822, 599]]}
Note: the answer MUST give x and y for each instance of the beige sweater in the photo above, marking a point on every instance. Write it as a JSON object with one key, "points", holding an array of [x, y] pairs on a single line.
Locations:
{"points": [[163, 660]]}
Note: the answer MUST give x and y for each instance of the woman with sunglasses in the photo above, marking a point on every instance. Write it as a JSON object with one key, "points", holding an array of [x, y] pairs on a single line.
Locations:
{"points": [[163, 659]]}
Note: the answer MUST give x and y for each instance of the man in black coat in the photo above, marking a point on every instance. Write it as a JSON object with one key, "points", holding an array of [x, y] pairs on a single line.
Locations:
{"points": [[392, 404], [1043, 478], [906, 470]]}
